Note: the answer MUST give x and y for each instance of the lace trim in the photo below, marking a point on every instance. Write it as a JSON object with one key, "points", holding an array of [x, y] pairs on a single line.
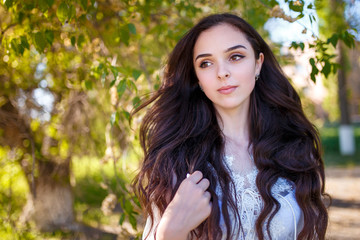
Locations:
{"points": [[250, 203]]}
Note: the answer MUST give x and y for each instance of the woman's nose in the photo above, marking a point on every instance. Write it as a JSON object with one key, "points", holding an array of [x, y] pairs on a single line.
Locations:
{"points": [[223, 73]]}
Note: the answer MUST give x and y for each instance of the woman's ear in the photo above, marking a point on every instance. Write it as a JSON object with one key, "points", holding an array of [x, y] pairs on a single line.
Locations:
{"points": [[259, 62]]}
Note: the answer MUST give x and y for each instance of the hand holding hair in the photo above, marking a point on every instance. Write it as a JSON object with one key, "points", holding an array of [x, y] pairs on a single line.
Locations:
{"points": [[190, 206]]}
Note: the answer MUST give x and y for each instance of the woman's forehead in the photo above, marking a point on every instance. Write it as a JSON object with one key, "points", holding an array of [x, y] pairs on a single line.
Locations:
{"points": [[222, 36]]}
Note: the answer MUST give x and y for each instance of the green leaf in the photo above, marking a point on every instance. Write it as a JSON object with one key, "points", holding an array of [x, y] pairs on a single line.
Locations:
{"points": [[297, 5], [314, 18], [24, 42], [101, 66], [312, 61], [20, 47], [332, 56], [314, 70], [294, 45], [112, 83], [326, 69], [132, 28], [62, 12], [232, 4], [124, 36], [72, 12], [81, 41], [115, 72], [43, 5], [82, 19], [126, 114], [335, 67], [122, 218], [40, 41], [136, 74], [348, 39], [302, 46], [28, 6], [131, 85], [9, 3], [15, 46], [88, 84], [310, 6], [121, 87], [137, 202], [333, 40], [136, 102], [313, 78], [49, 36], [73, 40], [50, 2], [132, 221], [84, 4]]}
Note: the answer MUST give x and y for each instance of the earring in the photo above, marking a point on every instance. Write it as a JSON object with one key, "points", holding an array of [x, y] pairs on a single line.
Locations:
{"points": [[201, 88], [257, 76]]}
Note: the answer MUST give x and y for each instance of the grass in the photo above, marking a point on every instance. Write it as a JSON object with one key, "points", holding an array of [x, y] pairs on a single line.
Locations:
{"points": [[330, 142], [93, 182]]}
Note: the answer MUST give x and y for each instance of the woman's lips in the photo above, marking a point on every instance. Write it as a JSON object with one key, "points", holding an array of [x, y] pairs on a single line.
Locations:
{"points": [[227, 89]]}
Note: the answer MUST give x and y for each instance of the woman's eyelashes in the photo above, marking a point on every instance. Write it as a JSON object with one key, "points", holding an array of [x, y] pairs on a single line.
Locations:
{"points": [[205, 64], [232, 58], [236, 57]]}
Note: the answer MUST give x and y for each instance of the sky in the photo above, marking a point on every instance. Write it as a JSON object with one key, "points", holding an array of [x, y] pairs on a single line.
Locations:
{"points": [[352, 14], [284, 32]]}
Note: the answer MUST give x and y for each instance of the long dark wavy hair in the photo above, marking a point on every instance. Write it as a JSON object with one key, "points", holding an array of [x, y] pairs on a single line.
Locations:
{"points": [[180, 134]]}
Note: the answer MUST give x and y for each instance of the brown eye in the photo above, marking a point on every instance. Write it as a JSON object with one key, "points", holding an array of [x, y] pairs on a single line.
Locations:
{"points": [[205, 64], [236, 57]]}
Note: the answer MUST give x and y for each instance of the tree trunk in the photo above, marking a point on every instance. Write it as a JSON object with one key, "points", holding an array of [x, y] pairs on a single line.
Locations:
{"points": [[50, 202], [51, 207], [346, 130], [342, 88]]}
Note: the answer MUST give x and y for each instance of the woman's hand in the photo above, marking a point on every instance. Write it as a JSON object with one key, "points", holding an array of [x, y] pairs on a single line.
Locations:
{"points": [[190, 206]]}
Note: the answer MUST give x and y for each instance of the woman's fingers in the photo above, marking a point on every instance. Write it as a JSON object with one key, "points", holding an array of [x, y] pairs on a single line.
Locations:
{"points": [[191, 204], [207, 195], [195, 177], [204, 184]]}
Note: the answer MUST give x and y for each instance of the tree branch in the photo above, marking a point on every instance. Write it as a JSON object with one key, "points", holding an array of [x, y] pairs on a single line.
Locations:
{"points": [[7, 28]]}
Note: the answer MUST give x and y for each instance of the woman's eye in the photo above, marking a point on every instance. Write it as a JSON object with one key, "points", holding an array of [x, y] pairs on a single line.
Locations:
{"points": [[236, 57], [205, 64]]}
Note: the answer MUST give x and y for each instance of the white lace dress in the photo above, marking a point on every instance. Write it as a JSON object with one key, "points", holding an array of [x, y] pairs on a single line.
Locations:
{"points": [[285, 225], [288, 221]]}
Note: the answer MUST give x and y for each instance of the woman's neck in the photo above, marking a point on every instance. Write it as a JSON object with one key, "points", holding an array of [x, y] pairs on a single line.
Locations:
{"points": [[235, 125]]}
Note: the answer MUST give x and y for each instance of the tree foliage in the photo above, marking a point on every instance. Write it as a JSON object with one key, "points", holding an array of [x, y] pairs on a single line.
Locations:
{"points": [[339, 30], [71, 71]]}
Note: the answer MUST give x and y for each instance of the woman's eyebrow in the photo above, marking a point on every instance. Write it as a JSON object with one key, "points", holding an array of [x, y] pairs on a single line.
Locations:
{"points": [[203, 55], [227, 50], [235, 47]]}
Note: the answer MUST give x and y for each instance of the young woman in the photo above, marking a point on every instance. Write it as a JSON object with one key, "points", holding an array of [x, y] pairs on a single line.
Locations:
{"points": [[229, 153]]}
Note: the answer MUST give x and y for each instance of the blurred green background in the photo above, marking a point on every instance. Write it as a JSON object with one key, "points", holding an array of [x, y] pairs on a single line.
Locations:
{"points": [[71, 72]]}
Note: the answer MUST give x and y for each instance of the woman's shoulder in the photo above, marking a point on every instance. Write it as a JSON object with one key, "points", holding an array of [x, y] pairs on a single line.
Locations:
{"points": [[288, 221], [283, 187]]}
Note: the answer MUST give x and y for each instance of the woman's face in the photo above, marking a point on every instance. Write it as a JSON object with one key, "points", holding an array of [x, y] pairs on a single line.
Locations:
{"points": [[226, 66]]}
